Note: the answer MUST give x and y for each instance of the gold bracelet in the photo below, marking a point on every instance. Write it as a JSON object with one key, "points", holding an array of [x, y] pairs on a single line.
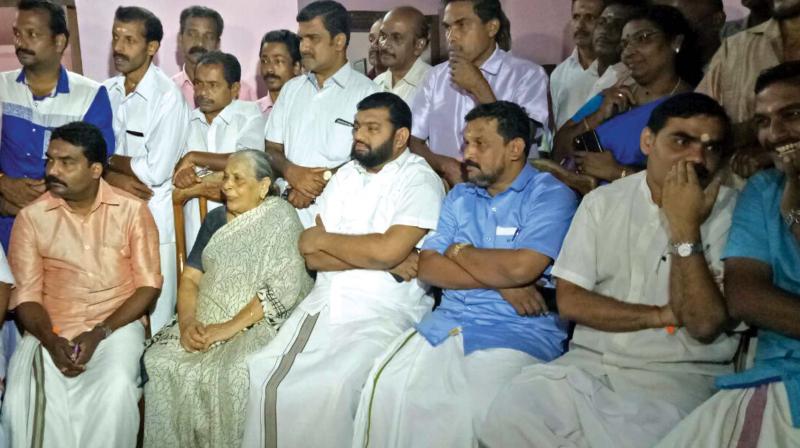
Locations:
{"points": [[586, 125], [457, 250]]}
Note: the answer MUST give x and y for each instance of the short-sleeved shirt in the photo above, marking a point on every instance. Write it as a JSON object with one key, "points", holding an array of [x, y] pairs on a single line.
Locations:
{"points": [[439, 106], [533, 213], [407, 87], [407, 192], [27, 122], [570, 85], [618, 246], [83, 268], [760, 233], [214, 221]]}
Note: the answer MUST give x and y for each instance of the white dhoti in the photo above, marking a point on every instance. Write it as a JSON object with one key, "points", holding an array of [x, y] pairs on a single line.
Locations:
{"points": [[562, 404], [418, 395], [743, 418], [305, 385], [164, 309], [98, 408]]}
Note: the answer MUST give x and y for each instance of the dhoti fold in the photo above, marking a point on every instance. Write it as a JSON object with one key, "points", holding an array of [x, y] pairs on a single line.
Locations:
{"points": [[98, 408], [164, 309]]}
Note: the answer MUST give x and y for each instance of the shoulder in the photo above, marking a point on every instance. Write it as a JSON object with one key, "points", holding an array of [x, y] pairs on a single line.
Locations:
{"points": [[37, 207], [282, 213], [80, 83], [246, 109], [293, 85], [10, 76], [357, 81], [618, 193], [766, 180], [523, 66], [127, 199]]}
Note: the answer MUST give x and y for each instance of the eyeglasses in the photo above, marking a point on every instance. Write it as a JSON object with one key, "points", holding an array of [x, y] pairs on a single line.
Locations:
{"points": [[639, 39]]}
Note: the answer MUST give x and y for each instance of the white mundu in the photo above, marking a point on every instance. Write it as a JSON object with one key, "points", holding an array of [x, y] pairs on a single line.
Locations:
{"points": [[303, 120], [240, 125], [150, 126], [305, 385], [406, 87], [618, 389]]}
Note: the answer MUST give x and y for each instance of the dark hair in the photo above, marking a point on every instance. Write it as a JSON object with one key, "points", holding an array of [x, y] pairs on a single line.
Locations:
{"points": [[284, 37], [58, 19], [333, 15], [399, 112], [787, 71], [153, 31], [202, 12], [85, 136], [487, 10], [687, 105], [671, 22], [231, 69], [512, 120]]}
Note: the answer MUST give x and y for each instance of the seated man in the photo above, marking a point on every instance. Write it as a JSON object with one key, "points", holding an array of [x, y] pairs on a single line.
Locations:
{"points": [[496, 237], [640, 275], [761, 407], [304, 386], [219, 126], [85, 256]]}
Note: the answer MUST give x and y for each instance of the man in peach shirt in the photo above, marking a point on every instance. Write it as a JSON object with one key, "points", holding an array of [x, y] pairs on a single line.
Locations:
{"points": [[86, 256]]}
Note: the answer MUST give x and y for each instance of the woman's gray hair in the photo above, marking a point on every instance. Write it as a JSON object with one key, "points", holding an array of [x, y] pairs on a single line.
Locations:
{"points": [[261, 168]]}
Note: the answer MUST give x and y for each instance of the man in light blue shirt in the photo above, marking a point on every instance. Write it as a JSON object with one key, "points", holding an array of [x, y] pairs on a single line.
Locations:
{"points": [[761, 406], [497, 236]]}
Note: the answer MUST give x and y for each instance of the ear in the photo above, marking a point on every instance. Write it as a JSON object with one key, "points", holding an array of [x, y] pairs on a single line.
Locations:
{"points": [[401, 137], [419, 45], [340, 42], [235, 89], [493, 27], [263, 187], [516, 149], [677, 43], [296, 68], [96, 169], [152, 48], [647, 141], [61, 43]]}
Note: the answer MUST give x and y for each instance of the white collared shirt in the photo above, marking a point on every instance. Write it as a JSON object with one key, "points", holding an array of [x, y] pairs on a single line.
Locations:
{"points": [[610, 77], [240, 125], [404, 192], [618, 246], [406, 88], [570, 85], [150, 126]]}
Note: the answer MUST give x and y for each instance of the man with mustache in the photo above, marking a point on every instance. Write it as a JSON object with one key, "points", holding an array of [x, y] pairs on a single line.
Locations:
{"points": [[572, 79], [150, 122], [497, 236], [219, 126], [640, 275], [403, 38], [279, 62], [374, 55], [37, 98], [370, 218], [85, 256], [200, 32], [763, 287], [304, 143], [480, 71]]}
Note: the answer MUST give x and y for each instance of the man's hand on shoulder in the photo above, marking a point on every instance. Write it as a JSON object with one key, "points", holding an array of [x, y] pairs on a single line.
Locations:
{"points": [[21, 191], [130, 184]]}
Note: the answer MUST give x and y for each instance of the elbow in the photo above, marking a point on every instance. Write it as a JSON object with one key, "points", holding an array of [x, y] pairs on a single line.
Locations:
{"points": [[706, 329], [426, 268]]}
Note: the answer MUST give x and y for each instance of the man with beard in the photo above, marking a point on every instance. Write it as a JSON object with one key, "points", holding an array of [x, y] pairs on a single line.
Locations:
{"points": [[279, 62], [761, 406], [369, 220], [305, 143], [404, 37], [200, 32], [219, 126], [85, 256], [496, 238], [374, 55], [150, 123], [480, 71], [732, 75], [640, 275], [572, 79], [37, 98]]}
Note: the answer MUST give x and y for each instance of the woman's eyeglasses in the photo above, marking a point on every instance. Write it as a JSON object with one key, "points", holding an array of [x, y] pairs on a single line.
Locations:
{"points": [[639, 39]]}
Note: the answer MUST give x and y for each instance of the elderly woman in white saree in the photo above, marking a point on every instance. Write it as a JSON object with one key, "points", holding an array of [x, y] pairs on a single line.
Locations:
{"points": [[231, 302]]}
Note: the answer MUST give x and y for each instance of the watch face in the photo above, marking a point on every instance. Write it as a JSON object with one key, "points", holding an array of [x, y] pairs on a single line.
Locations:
{"points": [[684, 250]]}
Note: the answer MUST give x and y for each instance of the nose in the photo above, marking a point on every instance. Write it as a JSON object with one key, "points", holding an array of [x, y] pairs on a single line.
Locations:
{"points": [[304, 46], [697, 154], [117, 46]]}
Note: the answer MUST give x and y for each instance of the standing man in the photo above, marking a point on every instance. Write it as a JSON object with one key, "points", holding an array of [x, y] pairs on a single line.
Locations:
{"points": [[37, 98], [150, 122], [572, 79], [85, 256], [200, 32], [279, 62], [374, 55], [479, 71], [706, 18], [760, 12], [219, 126], [304, 143], [403, 38]]}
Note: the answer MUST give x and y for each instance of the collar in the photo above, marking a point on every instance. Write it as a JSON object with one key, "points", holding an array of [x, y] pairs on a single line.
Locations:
{"points": [[493, 65], [105, 195], [771, 28], [339, 78], [62, 86], [520, 183], [145, 88], [390, 168], [416, 73], [183, 77], [226, 114]]}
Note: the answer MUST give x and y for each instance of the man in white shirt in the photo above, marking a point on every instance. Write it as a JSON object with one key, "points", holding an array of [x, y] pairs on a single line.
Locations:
{"points": [[403, 38], [219, 126], [372, 215], [572, 79], [150, 123], [279, 61], [304, 143], [640, 274]]}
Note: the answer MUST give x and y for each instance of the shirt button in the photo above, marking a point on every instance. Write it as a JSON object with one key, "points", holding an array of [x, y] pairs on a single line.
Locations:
{"points": [[494, 209], [33, 130], [87, 247], [488, 238]]}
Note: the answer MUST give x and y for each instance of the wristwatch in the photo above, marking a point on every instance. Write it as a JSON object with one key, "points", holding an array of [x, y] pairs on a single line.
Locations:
{"points": [[686, 249], [105, 329], [792, 217], [327, 175]]}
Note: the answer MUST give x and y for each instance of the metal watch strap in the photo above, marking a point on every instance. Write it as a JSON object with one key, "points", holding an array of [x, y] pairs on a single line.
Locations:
{"points": [[792, 217]]}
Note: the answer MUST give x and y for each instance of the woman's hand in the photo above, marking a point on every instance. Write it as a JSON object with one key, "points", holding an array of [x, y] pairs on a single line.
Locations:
{"points": [[193, 335], [616, 100], [600, 165], [218, 332]]}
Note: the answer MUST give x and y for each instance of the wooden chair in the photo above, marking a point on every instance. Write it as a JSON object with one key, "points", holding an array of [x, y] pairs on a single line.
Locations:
{"points": [[179, 198]]}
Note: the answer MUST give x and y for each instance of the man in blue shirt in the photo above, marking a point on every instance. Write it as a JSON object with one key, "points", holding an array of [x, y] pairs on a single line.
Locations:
{"points": [[761, 406], [497, 236], [41, 96]]}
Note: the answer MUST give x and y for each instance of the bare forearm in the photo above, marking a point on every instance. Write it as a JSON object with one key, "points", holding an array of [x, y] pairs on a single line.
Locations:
{"points": [[209, 188], [324, 262], [564, 137], [5, 293], [753, 298], [437, 270], [277, 158], [420, 148], [371, 251], [122, 165], [484, 94], [187, 299], [133, 308], [35, 320], [214, 161], [252, 313], [502, 268], [601, 312], [695, 298]]}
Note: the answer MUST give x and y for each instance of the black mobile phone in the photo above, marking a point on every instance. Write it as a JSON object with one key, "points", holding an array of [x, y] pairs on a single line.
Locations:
{"points": [[588, 141]]}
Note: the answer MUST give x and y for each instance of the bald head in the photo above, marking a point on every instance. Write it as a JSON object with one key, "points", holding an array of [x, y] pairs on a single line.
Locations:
{"points": [[404, 36]]}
